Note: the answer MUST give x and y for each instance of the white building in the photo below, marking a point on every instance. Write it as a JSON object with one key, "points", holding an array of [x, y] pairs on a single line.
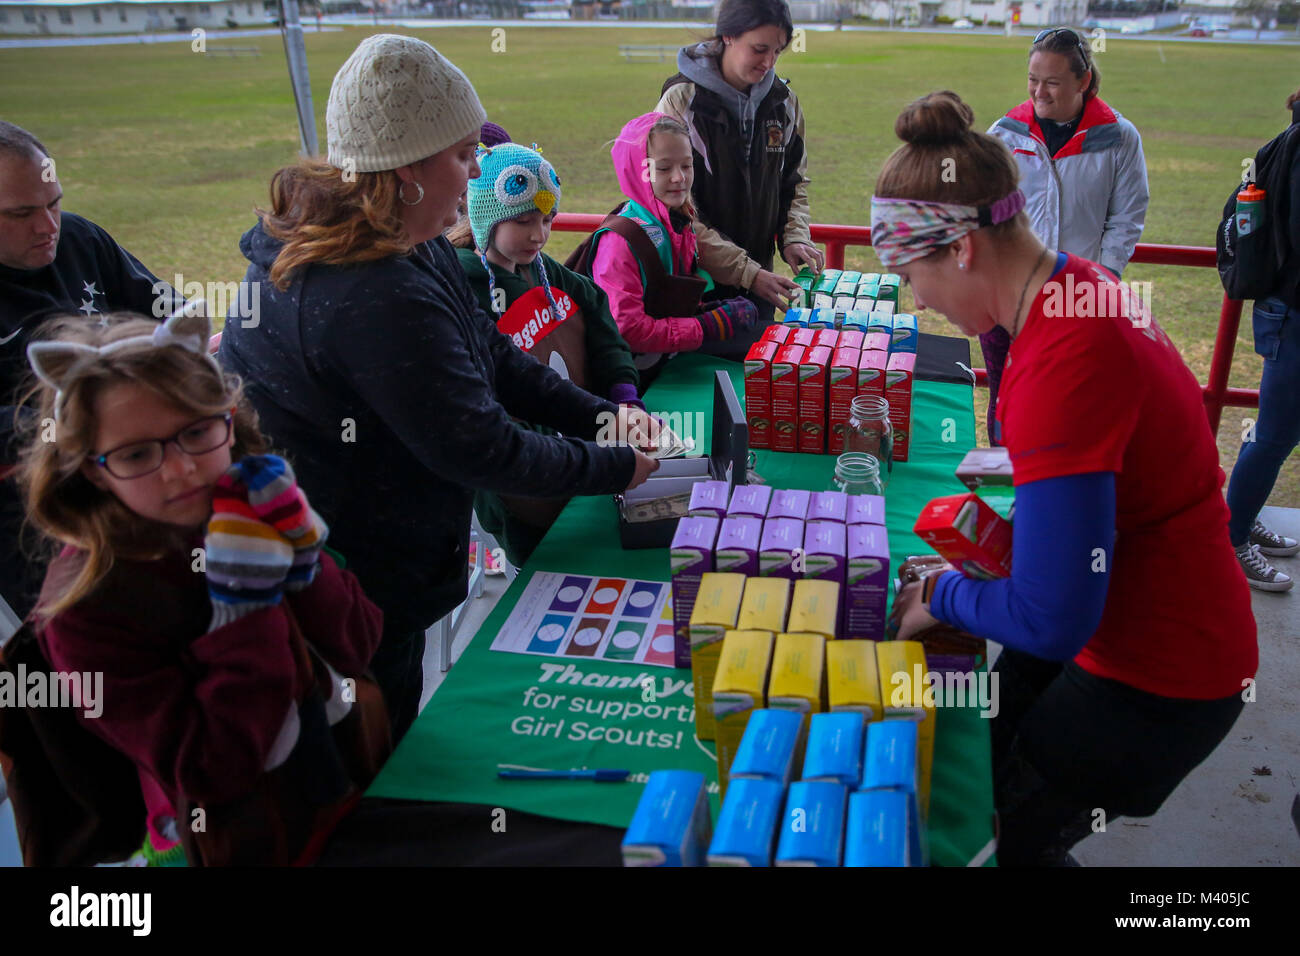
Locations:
{"points": [[1033, 13], [77, 17]]}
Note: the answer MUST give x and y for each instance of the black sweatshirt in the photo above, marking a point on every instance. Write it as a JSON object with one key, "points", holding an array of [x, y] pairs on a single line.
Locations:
{"points": [[90, 274], [392, 393]]}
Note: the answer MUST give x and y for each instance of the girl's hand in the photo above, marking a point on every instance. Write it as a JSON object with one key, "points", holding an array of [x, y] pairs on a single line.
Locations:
{"points": [[640, 428], [910, 617], [246, 560], [798, 254], [272, 491], [645, 467], [774, 288]]}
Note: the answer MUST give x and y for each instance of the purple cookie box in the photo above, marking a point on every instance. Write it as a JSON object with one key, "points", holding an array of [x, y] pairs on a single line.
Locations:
{"points": [[737, 549], [694, 535], [751, 500], [780, 537], [789, 503], [709, 499], [866, 509], [866, 590], [828, 506]]}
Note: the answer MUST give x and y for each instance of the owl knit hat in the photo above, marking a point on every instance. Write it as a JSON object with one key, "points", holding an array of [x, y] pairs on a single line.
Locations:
{"points": [[514, 181], [395, 101]]}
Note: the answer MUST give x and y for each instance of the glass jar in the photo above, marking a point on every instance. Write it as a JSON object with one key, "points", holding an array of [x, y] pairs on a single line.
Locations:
{"points": [[857, 473], [869, 432]]}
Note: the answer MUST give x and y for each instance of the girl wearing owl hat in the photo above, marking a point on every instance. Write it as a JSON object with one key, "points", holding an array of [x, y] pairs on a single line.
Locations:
{"points": [[372, 363], [190, 575], [559, 317]]}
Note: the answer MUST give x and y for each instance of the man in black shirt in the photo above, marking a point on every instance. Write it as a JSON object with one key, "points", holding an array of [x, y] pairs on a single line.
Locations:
{"points": [[51, 262]]}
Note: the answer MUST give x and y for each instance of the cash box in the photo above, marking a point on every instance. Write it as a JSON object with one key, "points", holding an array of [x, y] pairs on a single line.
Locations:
{"points": [[648, 514]]}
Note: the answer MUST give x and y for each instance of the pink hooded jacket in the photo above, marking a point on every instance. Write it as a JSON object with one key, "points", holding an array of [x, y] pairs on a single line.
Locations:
{"points": [[615, 267]]}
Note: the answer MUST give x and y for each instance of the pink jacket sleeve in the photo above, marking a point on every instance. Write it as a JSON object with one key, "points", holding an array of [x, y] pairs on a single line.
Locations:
{"points": [[615, 270]]}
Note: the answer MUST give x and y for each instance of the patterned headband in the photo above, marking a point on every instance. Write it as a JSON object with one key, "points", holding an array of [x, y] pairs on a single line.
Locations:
{"points": [[906, 229], [57, 364]]}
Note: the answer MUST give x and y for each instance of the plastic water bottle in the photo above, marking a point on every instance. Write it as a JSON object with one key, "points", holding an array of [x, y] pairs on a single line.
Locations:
{"points": [[1250, 210]]}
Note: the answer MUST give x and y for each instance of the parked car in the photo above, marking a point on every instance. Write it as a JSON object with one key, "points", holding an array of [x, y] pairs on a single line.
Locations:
{"points": [[1198, 32], [963, 24]]}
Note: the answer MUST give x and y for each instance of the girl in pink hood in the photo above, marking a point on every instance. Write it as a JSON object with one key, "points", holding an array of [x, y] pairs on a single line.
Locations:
{"points": [[644, 255]]}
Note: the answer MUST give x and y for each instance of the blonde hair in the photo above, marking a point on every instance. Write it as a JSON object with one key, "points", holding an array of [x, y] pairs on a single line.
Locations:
{"points": [[321, 216], [61, 502]]}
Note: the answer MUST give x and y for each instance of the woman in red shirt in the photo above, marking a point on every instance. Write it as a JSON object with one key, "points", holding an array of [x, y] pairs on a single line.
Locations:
{"points": [[1128, 638]]}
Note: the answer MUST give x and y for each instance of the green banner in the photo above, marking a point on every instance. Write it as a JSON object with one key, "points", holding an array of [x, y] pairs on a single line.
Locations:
{"points": [[551, 713]]}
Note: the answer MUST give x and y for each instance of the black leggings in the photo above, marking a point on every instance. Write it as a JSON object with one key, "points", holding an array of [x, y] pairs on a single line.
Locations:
{"points": [[398, 666], [1067, 743]]}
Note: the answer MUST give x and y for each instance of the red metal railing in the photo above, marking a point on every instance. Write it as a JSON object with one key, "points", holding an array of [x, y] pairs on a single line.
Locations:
{"points": [[1216, 392]]}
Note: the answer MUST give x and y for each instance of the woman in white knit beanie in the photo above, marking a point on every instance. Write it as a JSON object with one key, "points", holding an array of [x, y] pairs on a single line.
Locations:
{"points": [[371, 364]]}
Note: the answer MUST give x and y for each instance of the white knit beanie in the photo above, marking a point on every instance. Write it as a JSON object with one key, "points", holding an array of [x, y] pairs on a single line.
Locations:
{"points": [[395, 101]]}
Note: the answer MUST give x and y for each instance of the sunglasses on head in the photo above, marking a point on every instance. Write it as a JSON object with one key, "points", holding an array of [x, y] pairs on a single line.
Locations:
{"points": [[1048, 34]]}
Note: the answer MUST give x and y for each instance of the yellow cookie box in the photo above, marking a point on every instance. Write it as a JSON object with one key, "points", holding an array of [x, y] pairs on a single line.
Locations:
{"points": [[717, 606], [853, 679], [815, 608], [903, 683], [739, 688]]}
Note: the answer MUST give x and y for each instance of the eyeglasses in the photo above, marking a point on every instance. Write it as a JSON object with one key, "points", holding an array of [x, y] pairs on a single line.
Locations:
{"points": [[1078, 41], [145, 457]]}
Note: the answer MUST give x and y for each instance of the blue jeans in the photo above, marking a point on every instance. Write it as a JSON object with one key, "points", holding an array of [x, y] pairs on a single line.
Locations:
{"points": [[1277, 430]]}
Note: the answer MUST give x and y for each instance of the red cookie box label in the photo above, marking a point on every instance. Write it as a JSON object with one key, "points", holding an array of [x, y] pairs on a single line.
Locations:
{"points": [[871, 373], [802, 337], [851, 339], [758, 392], [780, 334], [843, 389], [973, 537], [826, 338], [814, 377], [785, 397], [898, 392], [877, 341]]}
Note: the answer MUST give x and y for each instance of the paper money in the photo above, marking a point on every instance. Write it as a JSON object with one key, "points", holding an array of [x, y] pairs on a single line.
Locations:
{"points": [[657, 509], [670, 445]]}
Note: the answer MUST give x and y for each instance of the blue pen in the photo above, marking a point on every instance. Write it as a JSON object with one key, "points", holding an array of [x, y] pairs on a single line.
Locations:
{"points": [[603, 776]]}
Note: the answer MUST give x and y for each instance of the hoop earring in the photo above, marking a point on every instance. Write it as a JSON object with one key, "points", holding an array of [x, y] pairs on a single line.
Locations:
{"points": [[402, 196]]}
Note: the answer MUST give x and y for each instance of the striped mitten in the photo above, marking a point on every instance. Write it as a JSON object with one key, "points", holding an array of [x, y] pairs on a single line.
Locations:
{"points": [[275, 497], [246, 558]]}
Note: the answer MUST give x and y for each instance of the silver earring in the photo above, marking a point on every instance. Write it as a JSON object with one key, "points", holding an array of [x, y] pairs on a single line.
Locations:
{"points": [[419, 194], [961, 265]]}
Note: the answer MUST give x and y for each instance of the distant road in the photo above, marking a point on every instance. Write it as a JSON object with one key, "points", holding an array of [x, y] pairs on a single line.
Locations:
{"points": [[336, 23]]}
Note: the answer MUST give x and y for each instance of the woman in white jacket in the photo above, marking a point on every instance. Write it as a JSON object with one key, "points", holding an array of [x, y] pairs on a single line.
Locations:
{"points": [[1081, 169]]}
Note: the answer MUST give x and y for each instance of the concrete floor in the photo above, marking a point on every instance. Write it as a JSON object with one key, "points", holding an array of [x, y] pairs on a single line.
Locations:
{"points": [[1224, 813]]}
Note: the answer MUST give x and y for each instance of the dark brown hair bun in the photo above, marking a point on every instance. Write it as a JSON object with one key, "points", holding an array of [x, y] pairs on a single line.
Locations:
{"points": [[935, 119]]}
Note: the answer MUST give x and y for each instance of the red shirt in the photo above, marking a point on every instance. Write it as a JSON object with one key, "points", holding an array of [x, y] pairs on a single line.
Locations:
{"points": [[1087, 389]]}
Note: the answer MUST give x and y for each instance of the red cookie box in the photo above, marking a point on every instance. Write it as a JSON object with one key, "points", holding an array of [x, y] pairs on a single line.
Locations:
{"points": [[973, 537], [802, 337], [898, 392], [851, 339], [814, 377], [871, 373], [785, 397], [843, 389], [758, 392], [826, 338], [778, 333]]}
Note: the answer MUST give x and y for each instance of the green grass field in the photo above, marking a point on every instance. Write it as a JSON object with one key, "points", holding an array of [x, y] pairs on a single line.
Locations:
{"points": [[171, 151]]}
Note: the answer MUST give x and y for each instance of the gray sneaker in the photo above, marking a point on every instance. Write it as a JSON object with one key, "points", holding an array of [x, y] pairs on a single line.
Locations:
{"points": [[1261, 575], [1278, 545]]}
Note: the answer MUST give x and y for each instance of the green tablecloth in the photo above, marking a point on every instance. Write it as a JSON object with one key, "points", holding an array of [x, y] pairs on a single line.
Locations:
{"points": [[479, 718]]}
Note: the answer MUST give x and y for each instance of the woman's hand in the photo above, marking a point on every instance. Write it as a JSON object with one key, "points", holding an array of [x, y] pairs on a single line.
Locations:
{"points": [[640, 428], [774, 288], [910, 617], [798, 254], [645, 467]]}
